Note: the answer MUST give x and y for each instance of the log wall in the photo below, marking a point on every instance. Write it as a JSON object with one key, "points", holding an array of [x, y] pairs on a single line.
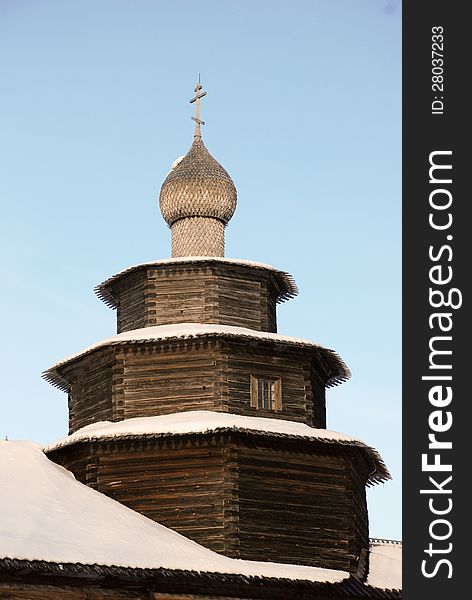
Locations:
{"points": [[194, 293], [182, 485], [90, 388], [23, 591], [33, 588], [156, 378], [359, 472], [131, 309], [164, 379], [303, 399], [82, 591], [239, 494], [299, 508]]}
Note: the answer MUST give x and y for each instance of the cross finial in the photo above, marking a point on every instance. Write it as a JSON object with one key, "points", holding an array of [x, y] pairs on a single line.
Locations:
{"points": [[196, 118]]}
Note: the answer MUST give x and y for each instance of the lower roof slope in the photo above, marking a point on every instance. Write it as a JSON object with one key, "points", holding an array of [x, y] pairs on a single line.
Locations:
{"points": [[385, 570], [47, 515], [51, 522]]}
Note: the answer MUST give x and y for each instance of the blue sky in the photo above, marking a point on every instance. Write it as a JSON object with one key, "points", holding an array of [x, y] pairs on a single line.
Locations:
{"points": [[303, 110]]}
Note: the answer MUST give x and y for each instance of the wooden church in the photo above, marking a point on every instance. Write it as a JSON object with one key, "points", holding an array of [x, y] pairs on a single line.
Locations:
{"points": [[197, 464]]}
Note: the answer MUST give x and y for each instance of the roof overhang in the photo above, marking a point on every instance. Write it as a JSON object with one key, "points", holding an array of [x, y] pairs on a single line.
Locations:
{"points": [[196, 424], [286, 283], [199, 331]]}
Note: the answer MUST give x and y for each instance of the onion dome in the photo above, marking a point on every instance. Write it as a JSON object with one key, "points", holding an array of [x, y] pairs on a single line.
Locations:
{"points": [[197, 198], [198, 186]]}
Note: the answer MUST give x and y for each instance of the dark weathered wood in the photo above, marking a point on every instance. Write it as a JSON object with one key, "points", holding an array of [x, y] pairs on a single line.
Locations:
{"points": [[180, 487], [296, 508], [167, 376], [240, 494], [36, 591], [90, 389], [300, 400], [28, 583], [131, 309], [228, 294], [359, 472]]}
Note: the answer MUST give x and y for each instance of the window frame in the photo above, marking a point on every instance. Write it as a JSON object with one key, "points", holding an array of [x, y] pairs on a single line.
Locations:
{"points": [[275, 384]]}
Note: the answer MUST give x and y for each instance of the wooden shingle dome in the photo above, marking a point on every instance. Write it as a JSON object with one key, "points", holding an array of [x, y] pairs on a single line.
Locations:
{"points": [[198, 186]]}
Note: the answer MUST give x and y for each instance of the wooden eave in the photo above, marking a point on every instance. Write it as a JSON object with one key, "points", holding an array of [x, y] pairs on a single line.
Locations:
{"points": [[336, 369], [285, 283], [181, 581], [378, 472]]}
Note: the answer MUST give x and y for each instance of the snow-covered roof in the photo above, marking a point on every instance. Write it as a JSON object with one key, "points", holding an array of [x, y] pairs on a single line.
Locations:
{"points": [[286, 281], [199, 330], [385, 565], [203, 421], [46, 515]]}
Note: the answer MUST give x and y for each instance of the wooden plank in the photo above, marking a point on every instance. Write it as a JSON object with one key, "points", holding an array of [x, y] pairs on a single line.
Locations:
{"points": [[228, 294], [37, 591], [295, 508]]}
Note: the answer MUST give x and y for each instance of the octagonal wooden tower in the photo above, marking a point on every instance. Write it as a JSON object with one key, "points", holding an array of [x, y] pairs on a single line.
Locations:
{"points": [[201, 416]]}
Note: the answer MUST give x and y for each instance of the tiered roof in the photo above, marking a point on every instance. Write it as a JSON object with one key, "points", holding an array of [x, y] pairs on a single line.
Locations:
{"points": [[51, 523]]}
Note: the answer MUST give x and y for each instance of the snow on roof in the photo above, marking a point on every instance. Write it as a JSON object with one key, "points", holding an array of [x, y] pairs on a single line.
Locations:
{"points": [[203, 421], [285, 278], [385, 565], [195, 330], [47, 515]]}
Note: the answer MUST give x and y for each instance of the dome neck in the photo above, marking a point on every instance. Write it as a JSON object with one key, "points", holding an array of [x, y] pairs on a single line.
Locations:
{"points": [[198, 236]]}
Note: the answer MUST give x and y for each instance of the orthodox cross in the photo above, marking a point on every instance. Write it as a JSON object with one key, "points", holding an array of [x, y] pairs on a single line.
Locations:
{"points": [[196, 118]]}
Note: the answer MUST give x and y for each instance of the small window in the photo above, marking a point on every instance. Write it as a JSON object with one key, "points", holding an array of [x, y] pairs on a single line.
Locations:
{"points": [[266, 394]]}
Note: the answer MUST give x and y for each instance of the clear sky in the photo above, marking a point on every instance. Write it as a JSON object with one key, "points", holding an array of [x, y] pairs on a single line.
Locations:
{"points": [[303, 110]]}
